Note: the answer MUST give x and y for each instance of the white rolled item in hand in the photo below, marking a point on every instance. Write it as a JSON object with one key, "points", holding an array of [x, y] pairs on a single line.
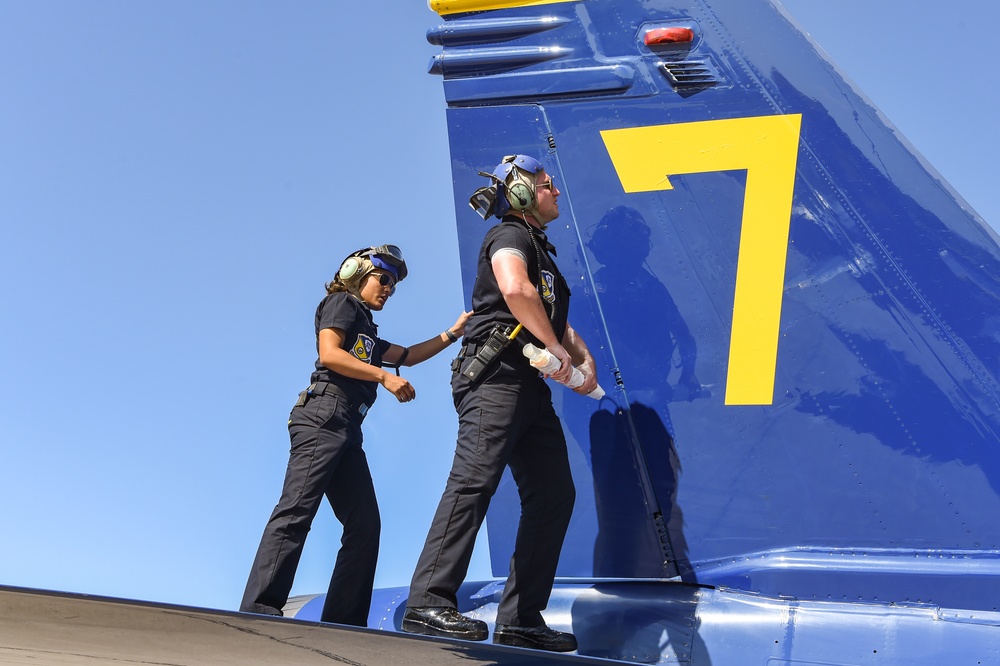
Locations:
{"points": [[546, 363]]}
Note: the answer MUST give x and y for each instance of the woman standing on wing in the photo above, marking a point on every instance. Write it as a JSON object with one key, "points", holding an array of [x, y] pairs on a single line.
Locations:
{"points": [[325, 428]]}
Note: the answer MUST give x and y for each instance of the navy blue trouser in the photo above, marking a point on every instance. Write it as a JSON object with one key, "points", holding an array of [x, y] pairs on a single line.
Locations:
{"points": [[507, 420], [326, 459]]}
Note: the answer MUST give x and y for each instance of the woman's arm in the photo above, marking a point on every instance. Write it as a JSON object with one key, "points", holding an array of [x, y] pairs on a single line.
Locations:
{"points": [[422, 351], [333, 356]]}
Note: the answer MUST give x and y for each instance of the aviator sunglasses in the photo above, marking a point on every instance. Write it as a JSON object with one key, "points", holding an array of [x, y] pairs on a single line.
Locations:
{"points": [[387, 280]]}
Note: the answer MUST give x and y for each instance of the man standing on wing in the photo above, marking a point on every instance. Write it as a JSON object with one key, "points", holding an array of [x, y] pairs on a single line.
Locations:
{"points": [[506, 419]]}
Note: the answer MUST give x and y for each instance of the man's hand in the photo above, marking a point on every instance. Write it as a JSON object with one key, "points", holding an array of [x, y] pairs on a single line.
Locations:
{"points": [[589, 378], [566, 363]]}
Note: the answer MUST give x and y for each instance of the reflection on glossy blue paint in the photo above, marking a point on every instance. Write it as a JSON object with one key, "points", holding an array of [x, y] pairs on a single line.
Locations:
{"points": [[881, 448]]}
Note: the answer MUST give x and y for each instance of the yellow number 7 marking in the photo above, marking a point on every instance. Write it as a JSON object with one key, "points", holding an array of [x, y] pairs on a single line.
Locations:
{"points": [[767, 147]]}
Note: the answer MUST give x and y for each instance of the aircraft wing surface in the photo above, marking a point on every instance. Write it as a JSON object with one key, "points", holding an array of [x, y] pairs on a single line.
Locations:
{"points": [[44, 628]]}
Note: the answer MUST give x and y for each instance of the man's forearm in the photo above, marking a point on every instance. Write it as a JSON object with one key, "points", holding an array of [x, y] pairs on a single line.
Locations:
{"points": [[577, 348], [527, 308]]}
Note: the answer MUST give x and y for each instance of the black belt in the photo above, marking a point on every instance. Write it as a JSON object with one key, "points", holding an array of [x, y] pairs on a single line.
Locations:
{"points": [[512, 353], [324, 388]]}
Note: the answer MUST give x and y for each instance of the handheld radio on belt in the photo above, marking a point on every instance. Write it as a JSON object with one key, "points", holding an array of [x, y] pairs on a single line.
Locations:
{"points": [[500, 338]]}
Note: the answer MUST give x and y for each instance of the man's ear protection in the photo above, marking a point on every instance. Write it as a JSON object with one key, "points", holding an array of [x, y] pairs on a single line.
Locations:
{"points": [[512, 187], [520, 191]]}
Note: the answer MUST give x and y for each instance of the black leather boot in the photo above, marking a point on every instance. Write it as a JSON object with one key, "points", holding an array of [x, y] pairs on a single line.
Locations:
{"points": [[443, 621]]}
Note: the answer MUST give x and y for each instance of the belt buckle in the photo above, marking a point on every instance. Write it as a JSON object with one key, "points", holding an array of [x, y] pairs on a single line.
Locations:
{"points": [[363, 410]]}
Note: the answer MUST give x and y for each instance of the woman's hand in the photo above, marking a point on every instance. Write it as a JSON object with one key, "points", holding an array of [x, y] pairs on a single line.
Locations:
{"points": [[458, 328], [399, 387]]}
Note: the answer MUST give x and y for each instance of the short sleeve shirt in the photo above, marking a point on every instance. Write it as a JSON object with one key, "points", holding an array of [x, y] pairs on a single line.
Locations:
{"points": [[342, 311], [488, 304]]}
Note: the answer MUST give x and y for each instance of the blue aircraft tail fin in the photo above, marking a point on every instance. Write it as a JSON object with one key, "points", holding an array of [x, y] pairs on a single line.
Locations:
{"points": [[797, 321]]}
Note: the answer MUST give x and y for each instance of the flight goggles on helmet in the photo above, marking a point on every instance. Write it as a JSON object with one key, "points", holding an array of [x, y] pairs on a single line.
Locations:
{"points": [[492, 199], [390, 258], [387, 257]]}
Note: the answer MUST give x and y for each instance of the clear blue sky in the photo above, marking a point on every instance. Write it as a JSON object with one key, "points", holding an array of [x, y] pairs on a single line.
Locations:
{"points": [[178, 180]]}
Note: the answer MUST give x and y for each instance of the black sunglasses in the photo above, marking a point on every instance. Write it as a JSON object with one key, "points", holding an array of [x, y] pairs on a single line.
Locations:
{"points": [[385, 280]]}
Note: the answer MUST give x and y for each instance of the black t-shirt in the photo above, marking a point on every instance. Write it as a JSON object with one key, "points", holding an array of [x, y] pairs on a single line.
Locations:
{"points": [[488, 304], [343, 311]]}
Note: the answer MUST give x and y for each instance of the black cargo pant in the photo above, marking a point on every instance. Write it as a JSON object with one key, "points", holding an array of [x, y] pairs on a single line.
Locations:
{"points": [[506, 420], [326, 459]]}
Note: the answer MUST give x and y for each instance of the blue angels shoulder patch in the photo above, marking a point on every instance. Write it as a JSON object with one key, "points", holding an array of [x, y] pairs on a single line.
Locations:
{"points": [[363, 348], [548, 287]]}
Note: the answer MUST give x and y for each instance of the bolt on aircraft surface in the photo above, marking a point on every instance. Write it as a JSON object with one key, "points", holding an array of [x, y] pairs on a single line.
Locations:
{"points": [[798, 323]]}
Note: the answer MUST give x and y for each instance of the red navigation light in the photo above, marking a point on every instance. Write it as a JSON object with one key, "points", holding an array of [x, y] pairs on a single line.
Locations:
{"points": [[668, 36]]}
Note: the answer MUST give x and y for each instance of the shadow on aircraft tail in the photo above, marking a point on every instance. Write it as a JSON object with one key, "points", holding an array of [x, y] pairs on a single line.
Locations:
{"points": [[797, 461]]}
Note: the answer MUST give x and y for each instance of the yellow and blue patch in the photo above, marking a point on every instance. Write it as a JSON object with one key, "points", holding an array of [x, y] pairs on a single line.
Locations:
{"points": [[548, 287], [363, 348]]}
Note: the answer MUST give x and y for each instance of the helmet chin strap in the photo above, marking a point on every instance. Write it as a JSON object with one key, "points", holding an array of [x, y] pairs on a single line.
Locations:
{"points": [[533, 209], [354, 287], [356, 294], [533, 212]]}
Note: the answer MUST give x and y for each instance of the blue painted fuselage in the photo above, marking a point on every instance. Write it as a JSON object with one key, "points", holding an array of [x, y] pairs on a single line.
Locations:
{"points": [[797, 321]]}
